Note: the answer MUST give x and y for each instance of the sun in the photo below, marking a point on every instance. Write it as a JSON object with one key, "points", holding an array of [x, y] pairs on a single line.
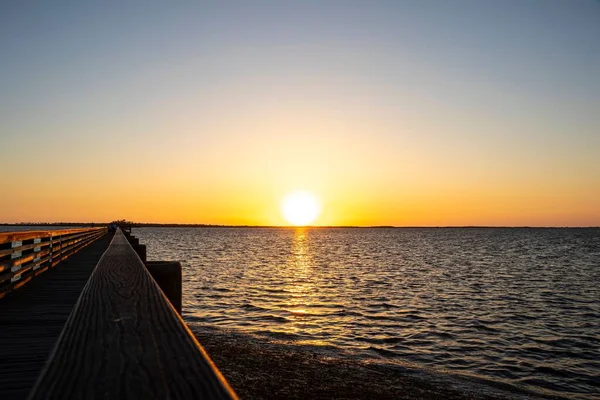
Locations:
{"points": [[300, 208]]}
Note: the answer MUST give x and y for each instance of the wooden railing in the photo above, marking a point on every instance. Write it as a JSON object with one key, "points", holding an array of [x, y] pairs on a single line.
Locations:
{"points": [[124, 339], [25, 255]]}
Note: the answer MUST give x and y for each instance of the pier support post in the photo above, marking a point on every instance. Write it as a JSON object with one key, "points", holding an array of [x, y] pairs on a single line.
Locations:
{"points": [[140, 249], [167, 275]]}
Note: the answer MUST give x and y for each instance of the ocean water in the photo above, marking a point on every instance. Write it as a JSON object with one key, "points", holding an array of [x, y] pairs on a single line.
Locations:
{"points": [[515, 306]]}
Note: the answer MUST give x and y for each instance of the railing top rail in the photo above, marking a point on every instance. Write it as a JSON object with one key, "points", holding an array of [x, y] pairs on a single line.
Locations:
{"points": [[124, 339], [7, 237]]}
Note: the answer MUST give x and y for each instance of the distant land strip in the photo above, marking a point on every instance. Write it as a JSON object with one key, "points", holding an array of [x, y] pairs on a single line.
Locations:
{"points": [[172, 225]]}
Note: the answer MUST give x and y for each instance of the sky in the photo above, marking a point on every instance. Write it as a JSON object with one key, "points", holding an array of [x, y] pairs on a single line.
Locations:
{"points": [[405, 113]]}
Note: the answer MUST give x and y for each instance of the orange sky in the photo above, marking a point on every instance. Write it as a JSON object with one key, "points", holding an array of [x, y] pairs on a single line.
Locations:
{"points": [[390, 114]]}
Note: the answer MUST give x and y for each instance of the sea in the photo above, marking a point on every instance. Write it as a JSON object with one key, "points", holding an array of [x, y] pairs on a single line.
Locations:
{"points": [[516, 306]]}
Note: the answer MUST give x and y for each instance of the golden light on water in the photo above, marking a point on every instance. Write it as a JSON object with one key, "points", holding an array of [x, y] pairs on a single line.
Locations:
{"points": [[300, 208], [304, 302]]}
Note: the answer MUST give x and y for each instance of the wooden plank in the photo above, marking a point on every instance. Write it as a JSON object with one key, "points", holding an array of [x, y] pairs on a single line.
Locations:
{"points": [[125, 340], [22, 281], [23, 248], [9, 264], [33, 316], [43, 244], [22, 269], [26, 235], [64, 246]]}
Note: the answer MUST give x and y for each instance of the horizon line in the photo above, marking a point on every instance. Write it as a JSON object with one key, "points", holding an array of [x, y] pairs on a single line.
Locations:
{"points": [[200, 225]]}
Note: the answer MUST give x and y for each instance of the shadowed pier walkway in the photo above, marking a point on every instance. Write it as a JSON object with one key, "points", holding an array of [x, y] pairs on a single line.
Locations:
{"points": [[32, 318], [99, 325]]}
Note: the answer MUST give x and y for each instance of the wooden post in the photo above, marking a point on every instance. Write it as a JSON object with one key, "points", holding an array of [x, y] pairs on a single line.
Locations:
{"points": [[140, 249], [167, 275]]}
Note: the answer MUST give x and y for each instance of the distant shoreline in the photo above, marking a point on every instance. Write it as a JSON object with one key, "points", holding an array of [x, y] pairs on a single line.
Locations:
{"points": [[158, 225]]}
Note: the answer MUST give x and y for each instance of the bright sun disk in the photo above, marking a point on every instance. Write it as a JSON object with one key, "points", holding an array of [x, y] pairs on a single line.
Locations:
{"points": [[300, 208]]}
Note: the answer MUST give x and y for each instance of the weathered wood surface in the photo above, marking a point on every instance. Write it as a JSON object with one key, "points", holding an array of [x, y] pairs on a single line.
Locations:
{"points": [[32, 318], [125, 340], [167, 274], [25, 255], [26, 235]]}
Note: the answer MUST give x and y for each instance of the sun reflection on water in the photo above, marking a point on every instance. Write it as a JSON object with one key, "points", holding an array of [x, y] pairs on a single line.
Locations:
{"points": [[298, 270], [301, 289]]}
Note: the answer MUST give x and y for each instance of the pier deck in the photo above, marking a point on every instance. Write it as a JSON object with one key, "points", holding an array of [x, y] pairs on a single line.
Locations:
{"points": [[32, 318]]}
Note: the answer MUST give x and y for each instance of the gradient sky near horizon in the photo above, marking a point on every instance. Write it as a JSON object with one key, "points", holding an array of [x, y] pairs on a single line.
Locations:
{"points": [[392, 112]]}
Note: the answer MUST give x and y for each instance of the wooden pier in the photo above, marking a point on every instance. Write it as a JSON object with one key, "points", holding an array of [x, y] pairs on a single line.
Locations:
{"points": [[96, 326], [32, 318]]}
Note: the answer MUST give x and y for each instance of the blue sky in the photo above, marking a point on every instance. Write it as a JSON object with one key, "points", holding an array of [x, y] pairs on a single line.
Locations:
{"points": [[501, 91]]}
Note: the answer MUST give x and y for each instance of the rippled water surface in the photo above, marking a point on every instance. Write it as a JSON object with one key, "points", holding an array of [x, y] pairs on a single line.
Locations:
{"points": [[520, 306]]}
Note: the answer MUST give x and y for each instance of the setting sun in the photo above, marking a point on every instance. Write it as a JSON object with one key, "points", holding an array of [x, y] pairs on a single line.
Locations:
{"points": [[300, 208]]}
